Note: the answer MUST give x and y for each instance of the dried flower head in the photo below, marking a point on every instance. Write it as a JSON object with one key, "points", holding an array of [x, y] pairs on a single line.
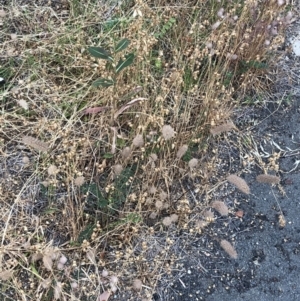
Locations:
{"points": [[193, 163], [182, 150], [163, 195], [228, 248], [114, 279], [152, 190], [209, 215], [63, 259], [117, 169], [174, 218], [35, 143], [216, 25], [225, 127], [153, 157], [168, 132], [167, 221], [159, 205], [220, 207], [126, 152], [79, 181], [2, 13], [153, 215], [137, 284], [25, 160], [239, 183], [138, 141], [23, 104], [104, 273], [269, 179], [52, 170], [281, 220], [201, 224]]}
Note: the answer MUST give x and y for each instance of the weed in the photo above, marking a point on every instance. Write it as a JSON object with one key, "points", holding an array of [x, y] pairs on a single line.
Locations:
{"points": [[167, 76]]}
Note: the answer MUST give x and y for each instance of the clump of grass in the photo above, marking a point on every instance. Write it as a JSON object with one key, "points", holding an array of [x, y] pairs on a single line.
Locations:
{"points": [[126, 104]]}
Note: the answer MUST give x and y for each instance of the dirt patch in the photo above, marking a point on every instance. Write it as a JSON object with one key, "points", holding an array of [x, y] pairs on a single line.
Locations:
{"points": [[268, 261]]}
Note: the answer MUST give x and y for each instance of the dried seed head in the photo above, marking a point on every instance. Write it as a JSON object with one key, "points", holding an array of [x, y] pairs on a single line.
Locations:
{"points": [[228, 248], [25, 160], [220, 12], [209, 215], [269, 179], [168, 132], [60, 266], [52, 170], [104, 273], [138, 141], [159, 205], [23, 104], [193, 163], [174, 218], [220, 207], [152, 189], [163, 195], [63, 259], [2, 13], [239, 183], [153, 215], [282, 221], [201, 224], [35, 143], [79, 181], [126, 152], [153, 157], [137, 284], [231, 56], [182, 150], [215, 25], [225, 127], [167, 221], [117, 169], [114, 279]]}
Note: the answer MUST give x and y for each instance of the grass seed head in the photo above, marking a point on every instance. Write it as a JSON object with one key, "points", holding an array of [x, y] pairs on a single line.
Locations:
{"points": [[138, 141], [181, 152], [268, 179], [220, 207], [137, 284], [79, 181], [239, 183], [168, 132], [225, 127], [228, 248], [193, 163], [35, 143]]}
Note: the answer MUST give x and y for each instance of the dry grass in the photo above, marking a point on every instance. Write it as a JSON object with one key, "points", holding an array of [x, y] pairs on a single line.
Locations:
{"points": [[82, 167]]}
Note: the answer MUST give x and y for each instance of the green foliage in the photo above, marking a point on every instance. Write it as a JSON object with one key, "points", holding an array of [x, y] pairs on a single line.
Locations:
{"points": [[118, 196], [86, 234], [165, 27], [95, 195], [122, 45], [103, 82], [125, 63], [100, 53], [104, 54]]}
